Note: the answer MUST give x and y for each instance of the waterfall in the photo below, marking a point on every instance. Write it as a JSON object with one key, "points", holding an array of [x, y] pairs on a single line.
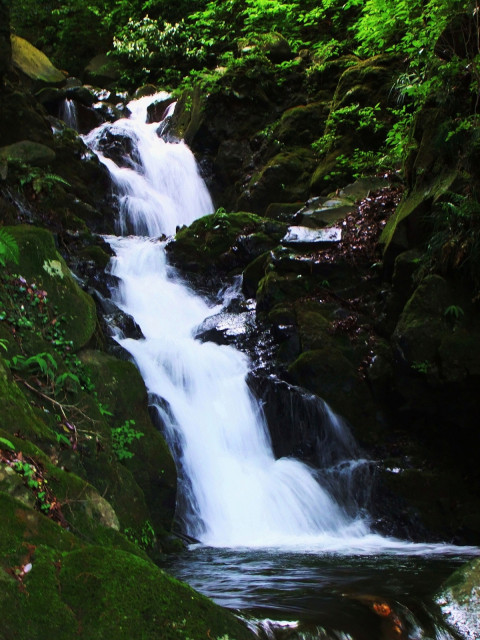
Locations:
{"points": [[232, 489], [68, 113]]}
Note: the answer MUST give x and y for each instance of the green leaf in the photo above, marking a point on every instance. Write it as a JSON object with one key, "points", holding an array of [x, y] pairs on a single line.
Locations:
{"points": [[6, 443]]}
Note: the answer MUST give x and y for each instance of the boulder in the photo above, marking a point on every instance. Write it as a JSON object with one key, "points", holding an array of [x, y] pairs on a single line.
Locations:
{"points": [[27, 152], [459, 600], [34, 65], [285, 177], [272, 45], [40, 262], [101, 71]]}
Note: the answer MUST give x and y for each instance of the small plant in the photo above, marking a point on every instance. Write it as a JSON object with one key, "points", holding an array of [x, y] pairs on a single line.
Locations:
{"points": [[43, 363], [123, 437], [145, 539], [8, 248], [6, 443], [39, 180], [454, 311], [421, 367]]}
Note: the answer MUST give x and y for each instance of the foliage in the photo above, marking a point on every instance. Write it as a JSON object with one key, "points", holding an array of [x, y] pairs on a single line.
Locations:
{"points": [[145, 538], [454, 244], [8, 248], [40, 180], [123, 437]]}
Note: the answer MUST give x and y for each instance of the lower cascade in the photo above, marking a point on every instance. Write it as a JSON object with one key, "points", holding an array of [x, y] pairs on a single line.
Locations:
{"points": [[232, 490]]}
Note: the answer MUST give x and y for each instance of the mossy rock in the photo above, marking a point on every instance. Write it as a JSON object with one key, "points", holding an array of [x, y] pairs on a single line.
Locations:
{"points": [[121, 388], [323, 76], [459, 600], [122, 596], [277, 288], [41, 263], [101, 71], [71, 590], [272, 45], [253, 273], [302, 124], [367, 83], [21, 526], [422, 325], [28, 152], [326, 372], [286, 176], [313, 326], [16, 413], [413, 206], [20, 107], [34, 64], [224, 242]]}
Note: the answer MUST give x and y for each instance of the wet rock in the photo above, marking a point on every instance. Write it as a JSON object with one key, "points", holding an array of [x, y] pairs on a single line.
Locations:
{"points": [[459, 600], [157, 111], [146, 90], [305, 235], [224, 242]]}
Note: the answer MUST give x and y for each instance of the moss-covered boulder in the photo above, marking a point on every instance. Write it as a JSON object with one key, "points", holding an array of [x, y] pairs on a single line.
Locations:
{"points": [[101, 71], [302, 124], [422, 323], [224, 242], [33, 64], [328, 373], [120, 387], [40, 262], [20, 107], [53, 583], [28, 152], [273, 45], [459, 600], [285, 178]]}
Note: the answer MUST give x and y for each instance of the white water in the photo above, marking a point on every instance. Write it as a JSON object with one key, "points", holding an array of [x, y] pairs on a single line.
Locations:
{"points": [[234, 492]]}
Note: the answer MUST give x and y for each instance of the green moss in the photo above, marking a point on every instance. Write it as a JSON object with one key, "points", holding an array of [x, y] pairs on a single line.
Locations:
{"points": [[288, 174], [326, 372], [224, 241], [16, 413], [34, 609], [302, 124], [422, 325], [121, 596], [41, 263], [277, 288], [121, 388], [33, 63], [72, 591]]}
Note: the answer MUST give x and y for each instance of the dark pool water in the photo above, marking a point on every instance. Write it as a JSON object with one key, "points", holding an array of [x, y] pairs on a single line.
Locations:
{"points": [[327, 596]]}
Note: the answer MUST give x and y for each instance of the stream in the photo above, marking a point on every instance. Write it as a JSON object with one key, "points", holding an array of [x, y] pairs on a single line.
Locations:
{"points": [[275, 542]]}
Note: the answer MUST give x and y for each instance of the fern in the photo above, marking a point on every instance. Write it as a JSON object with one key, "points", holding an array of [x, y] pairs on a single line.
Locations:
{"points": [[8, 248]]}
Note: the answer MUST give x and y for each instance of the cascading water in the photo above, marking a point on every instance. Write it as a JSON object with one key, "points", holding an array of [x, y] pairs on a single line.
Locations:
{"points": [[68, 113], [238, 493], [233, 492]]}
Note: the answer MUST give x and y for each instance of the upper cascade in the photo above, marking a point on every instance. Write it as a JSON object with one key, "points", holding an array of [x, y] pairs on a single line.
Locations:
{"points": [[158, 184]]}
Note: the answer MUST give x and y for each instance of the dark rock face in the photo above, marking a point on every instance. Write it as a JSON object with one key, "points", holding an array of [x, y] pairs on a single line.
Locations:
{"points": [[5, 45]]}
